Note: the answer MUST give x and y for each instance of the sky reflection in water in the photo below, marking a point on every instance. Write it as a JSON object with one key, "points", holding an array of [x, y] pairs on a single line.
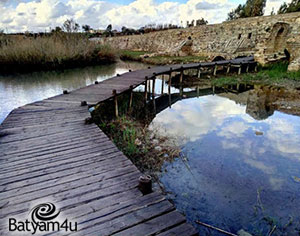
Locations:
{"points": [[233, 176]]}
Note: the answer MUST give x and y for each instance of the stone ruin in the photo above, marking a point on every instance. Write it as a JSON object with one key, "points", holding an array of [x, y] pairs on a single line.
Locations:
{"points": [[268, 38]]}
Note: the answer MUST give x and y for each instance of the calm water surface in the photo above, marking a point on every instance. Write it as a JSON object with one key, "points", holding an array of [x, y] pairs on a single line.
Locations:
{"points": [[18, 90], [237, 172]]}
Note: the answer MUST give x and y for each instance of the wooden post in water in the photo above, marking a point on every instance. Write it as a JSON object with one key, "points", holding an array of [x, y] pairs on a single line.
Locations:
{"points": [[170, 81], [149, 88], [247, 69], [153, 95], [215, 69], [114, 92], [169, 87], [181, 79], [162, 84], [213, 89], [153, 88], [131, 98], [240, 68], [181, 75], [199, 72], [197, 91], [228, 68], [146, 89]]}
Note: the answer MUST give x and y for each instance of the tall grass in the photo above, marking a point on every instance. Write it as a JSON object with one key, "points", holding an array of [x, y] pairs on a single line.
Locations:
{"points": [[57, 51]]}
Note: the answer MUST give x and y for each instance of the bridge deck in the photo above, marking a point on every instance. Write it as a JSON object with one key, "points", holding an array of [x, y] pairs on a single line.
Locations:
{"points": [[49, 154]]}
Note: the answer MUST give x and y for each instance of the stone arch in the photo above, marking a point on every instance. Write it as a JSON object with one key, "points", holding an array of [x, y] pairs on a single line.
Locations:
{"points": [[278, 37], [219, 58]]}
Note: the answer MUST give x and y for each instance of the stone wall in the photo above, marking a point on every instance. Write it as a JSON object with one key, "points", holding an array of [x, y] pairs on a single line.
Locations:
{"points": [[269, 38]]}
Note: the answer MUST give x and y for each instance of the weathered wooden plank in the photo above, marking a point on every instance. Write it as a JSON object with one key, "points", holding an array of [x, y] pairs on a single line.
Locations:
{"points": [[114, 225], [72, 189], [82, 153], [155, 225], [183, 229], [8, 184]]}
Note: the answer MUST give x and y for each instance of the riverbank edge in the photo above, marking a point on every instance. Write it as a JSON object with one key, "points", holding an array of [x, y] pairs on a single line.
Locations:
{"points": [[157, 59]]}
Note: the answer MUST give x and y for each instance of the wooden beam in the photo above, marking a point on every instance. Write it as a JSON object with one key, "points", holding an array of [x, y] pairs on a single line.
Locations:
{"points": [[240, 69], [146, 89], [130, 99], [114, 92], [181, 75], [215, 69], [170, 82], [169, 88], [228, 68], [153, 88], [162, 84], [199, 72]]}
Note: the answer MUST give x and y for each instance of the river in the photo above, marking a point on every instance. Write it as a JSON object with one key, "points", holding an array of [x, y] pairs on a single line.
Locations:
{"points": [[18, 90]]}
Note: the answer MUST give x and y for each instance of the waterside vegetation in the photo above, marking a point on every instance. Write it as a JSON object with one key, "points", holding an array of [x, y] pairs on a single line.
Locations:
{"points": [[131, 134], [59, 50], [275, 74], [147, 57]]}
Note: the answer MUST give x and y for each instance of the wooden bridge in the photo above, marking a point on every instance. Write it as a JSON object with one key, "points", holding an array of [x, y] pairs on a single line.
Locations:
{"points": [[49, 154]]}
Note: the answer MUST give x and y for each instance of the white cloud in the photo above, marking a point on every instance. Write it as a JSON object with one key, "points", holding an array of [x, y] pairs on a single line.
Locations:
{"points": [[274, 5], [191, 118], [41, 15]]}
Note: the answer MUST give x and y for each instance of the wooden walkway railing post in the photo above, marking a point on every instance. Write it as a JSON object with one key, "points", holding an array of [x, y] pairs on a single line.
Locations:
{"points": [[170, 81], [131, 98], [169, 87], [180, 81], [228, 68], [146, 89], [240, 68], [162, 84], [215, 69], [153, 93], [199, 72], [114, 92], [153, 87]]}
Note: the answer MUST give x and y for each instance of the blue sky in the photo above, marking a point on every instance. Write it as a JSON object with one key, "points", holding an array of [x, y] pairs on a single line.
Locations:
{"points": [[44, 15]]}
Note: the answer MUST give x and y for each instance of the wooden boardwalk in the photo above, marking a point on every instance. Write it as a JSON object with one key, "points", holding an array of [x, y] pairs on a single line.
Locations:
{"points": [[49, 154]]}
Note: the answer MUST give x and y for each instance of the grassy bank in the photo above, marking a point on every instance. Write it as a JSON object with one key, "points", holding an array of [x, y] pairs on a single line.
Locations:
{"points": [[146, 150], [58, 51], [131, 135], [276, 74], [158, 60]]}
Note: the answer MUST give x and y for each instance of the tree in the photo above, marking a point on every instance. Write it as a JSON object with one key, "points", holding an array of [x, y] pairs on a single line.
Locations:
{"points": [[109, 28], [250, 9], [56, 30], [86, 28], [201, 21], [70, 26], [293, 6]]}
